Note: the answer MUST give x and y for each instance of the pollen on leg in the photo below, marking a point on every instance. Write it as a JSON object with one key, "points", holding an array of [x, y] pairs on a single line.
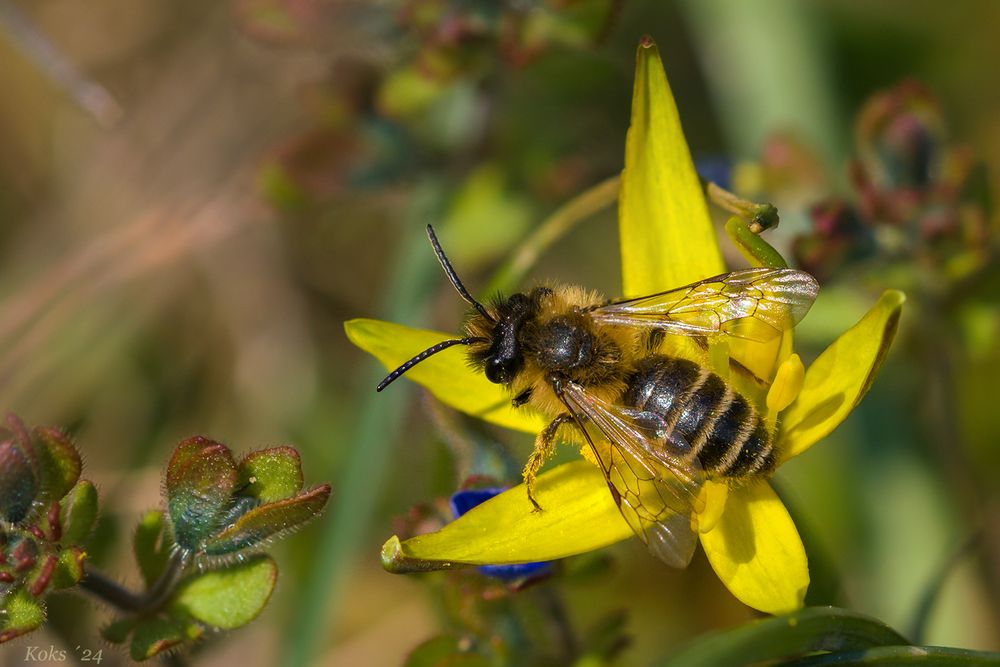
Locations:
{"points": [[545, 444]]}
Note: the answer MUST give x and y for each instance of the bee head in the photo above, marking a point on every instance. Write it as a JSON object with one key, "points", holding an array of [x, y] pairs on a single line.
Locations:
{"points": [[502, 358]]}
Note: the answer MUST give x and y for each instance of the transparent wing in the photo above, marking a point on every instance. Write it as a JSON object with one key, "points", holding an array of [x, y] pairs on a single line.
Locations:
{"points": [[653, 477], [757, 304]]}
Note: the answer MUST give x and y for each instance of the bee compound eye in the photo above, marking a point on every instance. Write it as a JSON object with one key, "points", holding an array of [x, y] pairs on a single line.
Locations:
{"points": [[500, 370], [495, 371]]}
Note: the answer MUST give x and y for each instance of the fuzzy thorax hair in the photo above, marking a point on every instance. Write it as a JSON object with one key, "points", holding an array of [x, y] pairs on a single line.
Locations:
{"points": [[613, 355]]}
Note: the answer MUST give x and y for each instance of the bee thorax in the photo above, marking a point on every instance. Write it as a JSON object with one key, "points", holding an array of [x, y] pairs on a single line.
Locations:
{"points": [[564, 345]]}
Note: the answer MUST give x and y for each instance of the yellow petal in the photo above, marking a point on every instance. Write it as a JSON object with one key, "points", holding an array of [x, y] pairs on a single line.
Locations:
{"points": [[786, 386], [759, 358], [667, 239], [578, 515], [756, 551], [840, 376], [447, 374], [714, 495]]}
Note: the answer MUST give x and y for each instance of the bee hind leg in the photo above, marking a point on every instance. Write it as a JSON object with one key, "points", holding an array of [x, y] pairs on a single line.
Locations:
{"points": [[545, 445]]}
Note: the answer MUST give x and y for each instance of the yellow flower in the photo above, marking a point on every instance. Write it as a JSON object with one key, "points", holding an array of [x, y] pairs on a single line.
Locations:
{"points": [[667, 240]]}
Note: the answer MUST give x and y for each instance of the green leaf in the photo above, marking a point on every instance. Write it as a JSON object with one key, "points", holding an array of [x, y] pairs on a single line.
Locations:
{"points": [[840, 377], [151, 546], [266, 521], [578, 515], [78, 512], [231, 597], [447, 374], [117, 632], [59, 463], [667, 239], [153, 636], [201, 477], [936, 656], [280, 187], [69, 568], [445, 651], [806, 631], [407, 91], [21, 614], [271, 474]]}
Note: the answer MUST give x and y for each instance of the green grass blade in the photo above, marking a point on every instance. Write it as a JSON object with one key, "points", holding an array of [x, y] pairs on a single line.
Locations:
{"points": [[812, 629], [901, 655], [359, 483]]}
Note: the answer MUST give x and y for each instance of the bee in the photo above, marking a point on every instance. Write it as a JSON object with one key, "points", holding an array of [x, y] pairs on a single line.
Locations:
{"points": [[658, 425]]}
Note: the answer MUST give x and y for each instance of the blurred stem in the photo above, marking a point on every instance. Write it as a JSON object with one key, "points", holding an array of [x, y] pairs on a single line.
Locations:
{"points": [[88, 95], [174, 659], [109, 590], [938, 348], [767, 71], [932, 592], [473, 450], [360, 482], [576, 210], [555, 611]]}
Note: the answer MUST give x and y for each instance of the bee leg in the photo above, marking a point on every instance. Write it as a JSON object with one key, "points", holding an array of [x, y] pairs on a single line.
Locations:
{"points": [[521, 398], [545, 445]]}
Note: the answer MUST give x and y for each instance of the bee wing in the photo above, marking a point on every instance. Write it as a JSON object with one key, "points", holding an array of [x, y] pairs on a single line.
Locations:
{"points": [[757, 304], [653, 478]]}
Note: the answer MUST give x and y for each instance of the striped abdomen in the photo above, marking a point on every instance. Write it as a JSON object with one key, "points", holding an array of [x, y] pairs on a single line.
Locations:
{"points": [[725, 432]]}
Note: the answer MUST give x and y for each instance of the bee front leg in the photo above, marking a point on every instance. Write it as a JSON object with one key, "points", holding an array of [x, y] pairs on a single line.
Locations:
{"points": [[545, 445], [521, 398]]}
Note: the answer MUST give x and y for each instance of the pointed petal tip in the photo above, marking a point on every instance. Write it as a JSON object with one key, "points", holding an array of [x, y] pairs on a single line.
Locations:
{"points": [[895, 295], [757, 553], [396, 561], [667, 237], [840, 377]]}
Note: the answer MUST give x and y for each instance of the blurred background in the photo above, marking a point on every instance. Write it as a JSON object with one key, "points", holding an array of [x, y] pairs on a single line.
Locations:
{"points": [[195, 196]]}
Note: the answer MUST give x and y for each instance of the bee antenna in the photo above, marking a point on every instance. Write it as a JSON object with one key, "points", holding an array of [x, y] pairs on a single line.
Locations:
{"points": [[431, 351], [453, 277]]}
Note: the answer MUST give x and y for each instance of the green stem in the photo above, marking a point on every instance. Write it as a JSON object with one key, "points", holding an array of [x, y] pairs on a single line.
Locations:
{"points": [[553, 228], [755, 249], [163, 588], [360, 481], [932, 591], [109, 590], [101, 586]]}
